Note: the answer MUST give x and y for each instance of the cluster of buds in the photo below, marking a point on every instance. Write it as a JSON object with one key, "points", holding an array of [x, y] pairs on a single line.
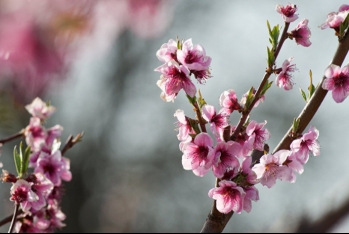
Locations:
{"points": [[228, 149], [39, 193]]}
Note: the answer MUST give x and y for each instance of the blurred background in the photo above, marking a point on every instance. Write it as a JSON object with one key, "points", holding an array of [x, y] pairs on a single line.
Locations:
{"points": [[95, 61]]}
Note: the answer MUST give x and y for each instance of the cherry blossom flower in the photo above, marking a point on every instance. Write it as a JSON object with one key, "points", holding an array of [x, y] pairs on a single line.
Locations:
{"points": [[293, 162], [35, 134], [194, 57], [301, 33], [334, 19], [184, 127], [306, 144], [167, 51], [174, 78], [40, 109], [229, 102], [284, 78], [260, 135], [199, 154], [229, 197], [22, 193], [251, 194], [225, 157], [54, 167], [217, 121], [271, 168], [337, 81], [42, 188], [287, 12]]}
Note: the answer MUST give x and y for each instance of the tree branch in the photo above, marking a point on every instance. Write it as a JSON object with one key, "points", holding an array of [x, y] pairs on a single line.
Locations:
{"points": [[71, 142]]}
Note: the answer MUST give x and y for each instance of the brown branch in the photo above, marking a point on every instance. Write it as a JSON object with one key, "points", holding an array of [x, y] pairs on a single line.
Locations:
{"points": [[326, 222], [13, 137], [246, 113], [71, 141], [217, 221], [319, 95]]}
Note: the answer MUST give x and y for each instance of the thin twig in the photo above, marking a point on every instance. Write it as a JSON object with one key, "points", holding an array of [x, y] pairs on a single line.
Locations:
{"points": [[13, 222], [319, 95], [246, 113], [217, 221], [13, 137], [71, 141]]}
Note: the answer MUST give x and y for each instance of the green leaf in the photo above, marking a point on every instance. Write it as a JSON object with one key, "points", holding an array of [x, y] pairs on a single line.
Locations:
{"points": [[269, 29], [201, 101], [192, 100], [270, 57], [267, 85], [295, 125], [303, 94], [17, 159], [249, 98], [342, 27], [25, 161], [311, 87]]}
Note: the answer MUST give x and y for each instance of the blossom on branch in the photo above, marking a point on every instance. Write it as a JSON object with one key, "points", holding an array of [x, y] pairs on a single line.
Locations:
{"points": [[195, 59], [199, 154], [217, 121], [174, 78], [306, 144], [287, 12], [284, 78], [271, 167], [229, 102], [229, 197], [301, 33], [334, 19], [337, 81], [225, 158]]}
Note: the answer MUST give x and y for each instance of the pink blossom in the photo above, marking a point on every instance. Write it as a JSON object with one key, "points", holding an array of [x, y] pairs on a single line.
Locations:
{"points": [[229, 102], [246, 170], [167, 51], [22, 193], [337, 81], [261, 135], [42, 187], [251, 194], [301, 33], [35, 134], [271, 168], [199, 154], [284, 79], [307, 143], [229, 197], [174, 78], [217, 121], [245, 141], [334, 19], [194, 57], [293, 162], [40, 109], [184, 127], [53, 134], [225, 157], [287, 12], [54, 167]]}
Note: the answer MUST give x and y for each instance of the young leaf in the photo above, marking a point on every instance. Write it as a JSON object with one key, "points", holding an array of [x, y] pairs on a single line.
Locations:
{"points": [[303, 94], [17, 159], [201, 101]]}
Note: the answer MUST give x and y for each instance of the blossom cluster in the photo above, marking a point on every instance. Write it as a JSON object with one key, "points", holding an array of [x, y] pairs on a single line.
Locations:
{"points": [[227, 149], [181, 60], [39, 194]]}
